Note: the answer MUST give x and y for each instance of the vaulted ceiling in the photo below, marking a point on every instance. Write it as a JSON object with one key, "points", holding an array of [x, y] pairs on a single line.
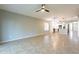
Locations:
{"points": [[59, 10]]}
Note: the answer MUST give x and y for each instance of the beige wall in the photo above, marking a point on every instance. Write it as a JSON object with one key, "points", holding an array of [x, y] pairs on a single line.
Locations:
{"points": [[0, 29], [15, 26]]}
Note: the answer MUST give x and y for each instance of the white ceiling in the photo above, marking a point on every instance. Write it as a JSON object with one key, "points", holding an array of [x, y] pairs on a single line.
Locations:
{"points": [[61, 10]]}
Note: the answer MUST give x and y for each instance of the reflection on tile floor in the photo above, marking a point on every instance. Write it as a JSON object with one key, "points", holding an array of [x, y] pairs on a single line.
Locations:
{"points": [[45, 44]]}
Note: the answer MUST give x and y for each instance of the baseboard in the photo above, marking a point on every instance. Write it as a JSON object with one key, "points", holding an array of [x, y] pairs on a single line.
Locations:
{"points": [[22, 37]]}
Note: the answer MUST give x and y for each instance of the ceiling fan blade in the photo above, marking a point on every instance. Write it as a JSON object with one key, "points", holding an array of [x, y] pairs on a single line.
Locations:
{"points": [[47, 10], [38, 10]]}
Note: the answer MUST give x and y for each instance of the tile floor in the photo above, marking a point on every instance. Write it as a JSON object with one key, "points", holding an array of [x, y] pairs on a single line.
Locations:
{"points": [[44, 44]]}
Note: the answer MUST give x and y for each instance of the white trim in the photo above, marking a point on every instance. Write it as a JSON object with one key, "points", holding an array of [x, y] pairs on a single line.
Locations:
{"points": [[22, 37]]}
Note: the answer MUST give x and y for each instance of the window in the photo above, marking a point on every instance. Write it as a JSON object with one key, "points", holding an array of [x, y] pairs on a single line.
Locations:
{"points": [[46, 26]]}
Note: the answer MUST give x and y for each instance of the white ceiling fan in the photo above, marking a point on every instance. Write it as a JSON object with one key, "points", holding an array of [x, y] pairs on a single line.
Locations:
{"points": [[43, 8]]}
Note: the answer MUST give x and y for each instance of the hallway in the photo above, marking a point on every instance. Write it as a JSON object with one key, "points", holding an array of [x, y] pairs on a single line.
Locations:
{"points": [[45, 44]]}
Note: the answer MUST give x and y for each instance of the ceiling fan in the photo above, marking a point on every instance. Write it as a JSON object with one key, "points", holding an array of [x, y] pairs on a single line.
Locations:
{"points": [[43, 8]]}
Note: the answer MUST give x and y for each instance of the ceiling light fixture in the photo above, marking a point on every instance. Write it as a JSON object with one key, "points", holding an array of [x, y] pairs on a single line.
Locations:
{"points": [[43, 9]]}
